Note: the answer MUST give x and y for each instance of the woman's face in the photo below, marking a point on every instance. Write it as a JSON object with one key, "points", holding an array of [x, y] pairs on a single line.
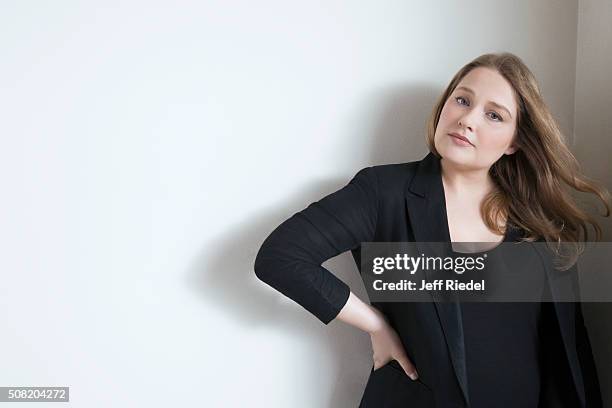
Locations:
{"points": [[486, 116]]}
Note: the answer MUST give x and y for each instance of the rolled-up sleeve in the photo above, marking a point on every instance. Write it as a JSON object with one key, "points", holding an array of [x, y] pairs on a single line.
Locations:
{"points": [[290, 258]]}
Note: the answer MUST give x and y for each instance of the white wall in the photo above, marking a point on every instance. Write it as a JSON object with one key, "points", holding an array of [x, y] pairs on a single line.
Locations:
{"points": [[150, 147], [593, 148]]}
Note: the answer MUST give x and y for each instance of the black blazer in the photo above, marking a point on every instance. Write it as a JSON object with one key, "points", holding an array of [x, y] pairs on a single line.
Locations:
{"points": [[405, 203]]}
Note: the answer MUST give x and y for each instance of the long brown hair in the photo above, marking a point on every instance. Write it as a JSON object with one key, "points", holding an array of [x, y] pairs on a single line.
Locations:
{"points": [[533, 186]]}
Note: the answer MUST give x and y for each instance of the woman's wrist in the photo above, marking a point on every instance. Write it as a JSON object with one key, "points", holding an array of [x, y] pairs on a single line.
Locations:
{"points": [[378, 321], [361, 315]]}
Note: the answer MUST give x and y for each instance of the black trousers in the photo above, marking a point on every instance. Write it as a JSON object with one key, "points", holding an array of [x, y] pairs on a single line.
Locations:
{"points": [[390, 387]]}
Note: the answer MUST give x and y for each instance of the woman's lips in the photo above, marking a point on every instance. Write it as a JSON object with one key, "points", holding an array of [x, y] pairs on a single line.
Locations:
{"points": [[459, 140]]}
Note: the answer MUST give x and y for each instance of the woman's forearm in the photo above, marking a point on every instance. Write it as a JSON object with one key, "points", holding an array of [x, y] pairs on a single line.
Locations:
{"points": [[361, 315]]}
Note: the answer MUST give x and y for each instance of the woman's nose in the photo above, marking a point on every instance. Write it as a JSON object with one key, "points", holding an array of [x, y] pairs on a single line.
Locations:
{"points": [[467, 121]]}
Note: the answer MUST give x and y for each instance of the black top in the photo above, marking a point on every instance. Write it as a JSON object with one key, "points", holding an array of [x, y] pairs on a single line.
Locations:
{"points": [[502, 349], [501, 341]]}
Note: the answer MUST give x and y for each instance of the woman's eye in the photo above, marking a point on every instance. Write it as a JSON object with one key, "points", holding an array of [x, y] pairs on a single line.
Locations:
{"points": [[459, 97], [499, 119]]}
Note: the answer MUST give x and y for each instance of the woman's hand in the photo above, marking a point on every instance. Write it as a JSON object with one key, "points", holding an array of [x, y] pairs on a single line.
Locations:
{"points": [[387, 346]]}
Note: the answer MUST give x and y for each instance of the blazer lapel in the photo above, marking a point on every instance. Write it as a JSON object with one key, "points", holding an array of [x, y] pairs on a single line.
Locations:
{"points": [[426, 206]]}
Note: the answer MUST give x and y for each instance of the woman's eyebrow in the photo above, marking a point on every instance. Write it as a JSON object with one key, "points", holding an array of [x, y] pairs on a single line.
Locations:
{"points": [[465, 88]]}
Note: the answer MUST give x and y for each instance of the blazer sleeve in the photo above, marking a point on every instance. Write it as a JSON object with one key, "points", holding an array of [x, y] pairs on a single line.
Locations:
{"points": [[290, 258], [587, 363], [585, 353]]}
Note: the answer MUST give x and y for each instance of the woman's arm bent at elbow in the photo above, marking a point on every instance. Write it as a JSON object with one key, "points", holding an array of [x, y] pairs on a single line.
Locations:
{"points": [[290, 258]]}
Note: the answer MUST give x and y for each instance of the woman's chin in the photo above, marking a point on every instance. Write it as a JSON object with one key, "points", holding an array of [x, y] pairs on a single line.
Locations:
{"points": [[457, 154]]}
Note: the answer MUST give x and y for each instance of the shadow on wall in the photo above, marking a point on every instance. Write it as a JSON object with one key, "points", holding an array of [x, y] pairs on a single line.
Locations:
{"points": [[226, 281]]}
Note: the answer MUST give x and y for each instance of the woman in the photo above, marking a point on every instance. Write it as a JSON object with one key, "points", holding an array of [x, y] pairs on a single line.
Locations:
{"points": [[497, 171]]}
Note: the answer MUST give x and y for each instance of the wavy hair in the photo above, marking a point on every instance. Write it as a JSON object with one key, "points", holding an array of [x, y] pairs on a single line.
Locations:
{"points": [[534, 185]]}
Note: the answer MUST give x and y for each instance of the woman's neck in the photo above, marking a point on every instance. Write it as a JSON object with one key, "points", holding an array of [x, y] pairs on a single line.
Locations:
{"points": [[469, 183]]}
